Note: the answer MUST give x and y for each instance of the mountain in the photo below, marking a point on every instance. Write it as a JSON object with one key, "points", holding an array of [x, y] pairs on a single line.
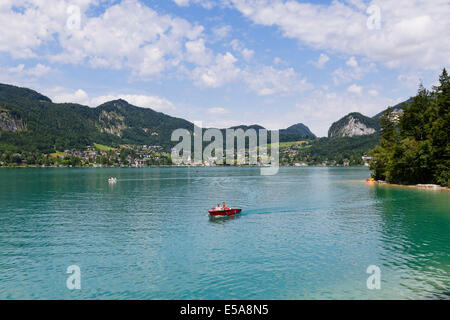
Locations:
{"points": [[293, 133], [357, 124], [245, 128], [397, 109], [136, 125], [353, 124], [15, 94], [30, 121], [299, 130]]}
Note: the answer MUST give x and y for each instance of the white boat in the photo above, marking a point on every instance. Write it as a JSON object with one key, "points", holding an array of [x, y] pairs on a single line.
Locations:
{"points": [[112, 180]]}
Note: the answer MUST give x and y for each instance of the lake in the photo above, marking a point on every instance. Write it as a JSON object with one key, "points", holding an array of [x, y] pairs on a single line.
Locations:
{"points": [[305, 233]]}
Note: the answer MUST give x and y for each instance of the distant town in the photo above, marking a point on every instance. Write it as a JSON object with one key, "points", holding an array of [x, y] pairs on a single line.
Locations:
{"points": [[97, 156]]}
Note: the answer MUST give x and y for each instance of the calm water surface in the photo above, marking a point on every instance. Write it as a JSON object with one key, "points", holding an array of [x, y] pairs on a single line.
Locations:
{"points": [[306, 233]]}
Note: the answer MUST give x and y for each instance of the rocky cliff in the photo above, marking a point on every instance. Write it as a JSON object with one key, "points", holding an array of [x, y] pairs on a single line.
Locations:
{"points": [[9, 122], [353, 124]]}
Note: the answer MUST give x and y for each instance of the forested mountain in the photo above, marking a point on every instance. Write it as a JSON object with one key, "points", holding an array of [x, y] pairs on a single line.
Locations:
{"points": [[31, 122], [134, 125], [49, 127], [296, 132], [414, 135], [342, 148]]}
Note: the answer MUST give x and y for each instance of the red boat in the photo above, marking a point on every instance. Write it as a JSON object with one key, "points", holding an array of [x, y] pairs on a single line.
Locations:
{"points": [[224, 213]]}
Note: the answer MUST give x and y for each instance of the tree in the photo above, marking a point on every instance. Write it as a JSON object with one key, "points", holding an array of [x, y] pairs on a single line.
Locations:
{"points": [[417, 150], [413, 123], [439, 131]]}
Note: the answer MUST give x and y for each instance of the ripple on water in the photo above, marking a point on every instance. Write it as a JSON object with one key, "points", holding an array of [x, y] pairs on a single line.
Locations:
{"points": [[305, 233]]}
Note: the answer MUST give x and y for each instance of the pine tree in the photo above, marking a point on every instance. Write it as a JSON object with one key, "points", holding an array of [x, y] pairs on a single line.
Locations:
{"points": [[414, 119], [440, 130], [382, 153], [418, 149]]}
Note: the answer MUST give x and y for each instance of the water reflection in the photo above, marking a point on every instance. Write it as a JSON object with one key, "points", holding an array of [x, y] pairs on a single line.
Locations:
{"points": [[223, 219]]}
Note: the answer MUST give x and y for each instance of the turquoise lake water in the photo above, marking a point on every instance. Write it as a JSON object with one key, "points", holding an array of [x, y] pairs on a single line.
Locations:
{"points": [[306, 233]]}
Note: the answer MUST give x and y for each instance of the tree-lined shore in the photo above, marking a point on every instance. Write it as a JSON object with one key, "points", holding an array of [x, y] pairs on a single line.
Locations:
{"points": [[414, 146]]}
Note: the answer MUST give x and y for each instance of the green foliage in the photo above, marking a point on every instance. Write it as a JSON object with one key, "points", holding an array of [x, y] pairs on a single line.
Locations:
{"points": [[341, 149], [296, 132], [102, 147], [415, 148], [54, 127]]}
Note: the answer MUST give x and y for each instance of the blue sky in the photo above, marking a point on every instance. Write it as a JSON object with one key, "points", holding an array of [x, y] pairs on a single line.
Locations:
{"points": [[227, 62]]}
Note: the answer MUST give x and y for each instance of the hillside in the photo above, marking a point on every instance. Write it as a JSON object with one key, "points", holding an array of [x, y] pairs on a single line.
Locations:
{"points": [[296, 132], [134, 125], [353, 124], [348, 139], [48, 127], [357, 124], [31, 122]]}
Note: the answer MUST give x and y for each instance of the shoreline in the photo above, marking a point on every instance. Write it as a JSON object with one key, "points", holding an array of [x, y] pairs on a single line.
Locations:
{"points": [[172, 166], [433, 187]]}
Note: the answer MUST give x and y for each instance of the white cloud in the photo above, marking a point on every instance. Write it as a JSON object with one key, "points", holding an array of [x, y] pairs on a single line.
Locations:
{"points": [[413, 33], [337, 105], [352, 62], [128, 35], [267, 80], [182, 3], [355, 89], [238, 47], [131, 35], [24, 76], [61, 95], [359, 4], [37, 71], [278, 61], [355, 72], [34, 25], [222, 32], [373, 92], [247, 54], [143, 101], [207, 4], [220, 72], [410, 80], [197, 52], [321, 61], [217, 111], [261, 79]]}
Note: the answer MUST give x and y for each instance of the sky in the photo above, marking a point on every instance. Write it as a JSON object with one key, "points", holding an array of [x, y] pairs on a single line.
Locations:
{"points": [[228, 62]]}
